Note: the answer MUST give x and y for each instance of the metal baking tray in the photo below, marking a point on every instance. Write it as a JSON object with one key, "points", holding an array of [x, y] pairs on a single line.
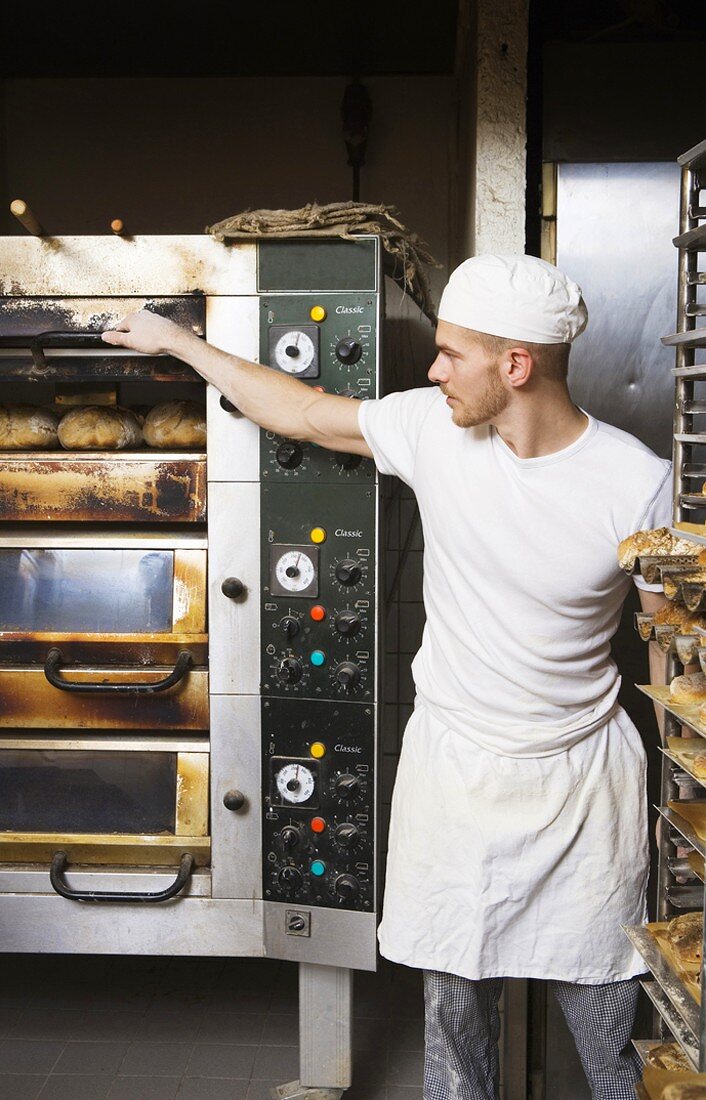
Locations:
{"points": [[676, 991], [686, 646], [687, 1039], [688, 714], [681, 817], [644, 1046], [652, 565], [679, 749]]}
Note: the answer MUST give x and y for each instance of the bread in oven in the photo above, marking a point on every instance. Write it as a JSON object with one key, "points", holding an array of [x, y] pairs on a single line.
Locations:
{"points": [[176, 424], [99, 428], [28, 428]]}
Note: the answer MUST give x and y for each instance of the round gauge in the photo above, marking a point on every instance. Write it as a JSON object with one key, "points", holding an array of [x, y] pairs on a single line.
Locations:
{"points": [[295, 571], [294, 352], [295, 782]]}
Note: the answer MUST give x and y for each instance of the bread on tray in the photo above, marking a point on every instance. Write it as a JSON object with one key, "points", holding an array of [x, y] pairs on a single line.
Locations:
{"points": [[685, 935], [668, 1056], [176, 424], [688, 689]]}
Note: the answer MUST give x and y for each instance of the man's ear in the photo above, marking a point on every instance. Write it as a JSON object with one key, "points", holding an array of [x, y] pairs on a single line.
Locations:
{"points": [[518, 366]]}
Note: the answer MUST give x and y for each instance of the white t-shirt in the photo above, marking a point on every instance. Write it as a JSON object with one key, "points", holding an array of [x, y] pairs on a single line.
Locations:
{"points": [[522, 588]]}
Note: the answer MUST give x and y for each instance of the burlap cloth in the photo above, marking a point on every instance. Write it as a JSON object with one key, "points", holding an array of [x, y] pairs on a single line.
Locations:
{"points": [[405, 252]]}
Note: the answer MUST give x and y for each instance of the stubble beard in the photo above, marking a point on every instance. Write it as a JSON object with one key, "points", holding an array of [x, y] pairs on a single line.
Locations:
{"points": [[488, 405]]}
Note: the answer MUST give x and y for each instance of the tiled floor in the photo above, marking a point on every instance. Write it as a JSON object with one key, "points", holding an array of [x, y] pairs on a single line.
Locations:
{"points": [[82, 1028]]}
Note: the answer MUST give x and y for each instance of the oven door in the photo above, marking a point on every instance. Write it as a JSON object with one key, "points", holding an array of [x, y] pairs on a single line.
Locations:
{"points": [[103, 631], [125, 801]]}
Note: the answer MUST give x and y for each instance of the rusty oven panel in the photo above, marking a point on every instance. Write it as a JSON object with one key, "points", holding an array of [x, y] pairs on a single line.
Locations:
{"points": [[108, 850], [29, 316], [95, 486], [111, 649], [29, 701]]}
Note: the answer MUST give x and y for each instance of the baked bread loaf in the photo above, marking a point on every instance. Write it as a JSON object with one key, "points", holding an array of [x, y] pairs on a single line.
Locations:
{"points": [[685, 935], [653, 543], [668, 1056], [28, 428], [176, 424], [684, 1090], [99, 428], [697, 763], [675, 614], [688, 689]]}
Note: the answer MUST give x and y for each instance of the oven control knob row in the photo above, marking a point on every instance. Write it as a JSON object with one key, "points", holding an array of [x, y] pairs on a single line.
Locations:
{"points": [[348, 350], [289, 455], [347, 785], [289, 671], [346, 887], [347, 623], [348, 571], [347, 674]]}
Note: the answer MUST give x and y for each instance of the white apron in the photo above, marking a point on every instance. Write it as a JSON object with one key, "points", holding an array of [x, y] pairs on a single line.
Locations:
{"points": [[505, 866]]}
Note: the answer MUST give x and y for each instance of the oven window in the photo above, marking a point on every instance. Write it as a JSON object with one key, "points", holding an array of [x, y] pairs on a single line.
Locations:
{"points": [[44, 791], [86, 591]]}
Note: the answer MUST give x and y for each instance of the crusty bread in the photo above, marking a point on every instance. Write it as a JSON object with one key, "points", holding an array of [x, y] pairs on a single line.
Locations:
{"points": [[658, 541], [685, 934], [668, 1056], [688, 689], [99, 428], [176, 424], [684, 1090], [28, 428], [675, 614], [697, 764]]}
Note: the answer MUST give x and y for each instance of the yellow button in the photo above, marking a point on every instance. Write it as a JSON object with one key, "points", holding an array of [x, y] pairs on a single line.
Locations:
{"points": [[317, 534], [318, 750], [317, 313]]}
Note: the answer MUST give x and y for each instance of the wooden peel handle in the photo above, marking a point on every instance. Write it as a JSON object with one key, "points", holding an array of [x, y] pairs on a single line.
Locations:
{"points": [[24, 215]]}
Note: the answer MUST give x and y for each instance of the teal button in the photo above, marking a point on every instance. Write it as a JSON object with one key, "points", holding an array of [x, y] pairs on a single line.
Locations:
{"points": [[318, 868], [318, 658]]}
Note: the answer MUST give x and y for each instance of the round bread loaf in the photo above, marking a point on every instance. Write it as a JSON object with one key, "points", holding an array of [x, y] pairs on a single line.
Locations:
{"points": [[685, 934], [685, 689], [668, 1056], [99, 428], [28, 428], [176, 424]]}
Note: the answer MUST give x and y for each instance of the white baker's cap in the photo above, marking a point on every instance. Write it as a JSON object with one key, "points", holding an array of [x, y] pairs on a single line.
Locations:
{"points": [[518, 297]]}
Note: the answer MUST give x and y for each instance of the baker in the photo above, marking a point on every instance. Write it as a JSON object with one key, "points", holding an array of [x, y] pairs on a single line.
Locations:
{"points": [[518, 837]]}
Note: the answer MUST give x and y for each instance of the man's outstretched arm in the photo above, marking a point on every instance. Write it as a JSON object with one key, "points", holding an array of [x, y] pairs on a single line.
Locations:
{"points": [[273, 400]]}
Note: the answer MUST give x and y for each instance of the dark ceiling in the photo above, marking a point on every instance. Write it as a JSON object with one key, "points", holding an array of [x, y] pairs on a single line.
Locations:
{"points": [[282, 37]]}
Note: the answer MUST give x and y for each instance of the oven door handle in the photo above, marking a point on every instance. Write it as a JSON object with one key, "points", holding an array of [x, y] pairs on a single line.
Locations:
{"points": [[58, 866], [55, 657]]}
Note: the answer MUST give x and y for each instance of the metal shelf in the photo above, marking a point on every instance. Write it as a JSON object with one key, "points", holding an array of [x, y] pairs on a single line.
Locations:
{"points": [[684, 828], [673, 988], [693, 158], [672, 756], [681, 1031], [690, 437], [694, 338], [695, 372], [694, 240], [687, 714]]}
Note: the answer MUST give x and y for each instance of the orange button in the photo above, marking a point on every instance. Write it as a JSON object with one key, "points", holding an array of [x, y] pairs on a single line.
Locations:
{"points": [[318, 613], [319, 388], [318, 824]]}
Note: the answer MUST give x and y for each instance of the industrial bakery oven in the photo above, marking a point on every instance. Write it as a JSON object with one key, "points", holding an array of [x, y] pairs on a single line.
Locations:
{"points": [[189, 638]]}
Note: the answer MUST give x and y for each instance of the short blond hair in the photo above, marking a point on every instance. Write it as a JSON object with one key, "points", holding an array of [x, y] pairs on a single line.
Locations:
{"points": [[552, 359]]}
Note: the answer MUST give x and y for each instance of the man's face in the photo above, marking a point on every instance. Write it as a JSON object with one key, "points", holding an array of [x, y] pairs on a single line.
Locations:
{"points": [[468, 376]]}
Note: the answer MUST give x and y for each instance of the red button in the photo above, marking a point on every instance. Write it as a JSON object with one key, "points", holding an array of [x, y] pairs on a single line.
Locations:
{"points": [[319, 388], [318, 824], [318, 613]]}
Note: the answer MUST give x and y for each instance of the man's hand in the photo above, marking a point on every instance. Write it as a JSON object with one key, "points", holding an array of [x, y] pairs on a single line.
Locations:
{"points": [[146, 332]]}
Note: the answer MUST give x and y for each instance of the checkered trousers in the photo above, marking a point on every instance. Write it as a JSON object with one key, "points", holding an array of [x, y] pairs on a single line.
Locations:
{"points": [[462, 1026]]}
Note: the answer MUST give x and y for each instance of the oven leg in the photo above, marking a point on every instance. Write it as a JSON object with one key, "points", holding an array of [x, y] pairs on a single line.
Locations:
{"points": [[325, 1034]]}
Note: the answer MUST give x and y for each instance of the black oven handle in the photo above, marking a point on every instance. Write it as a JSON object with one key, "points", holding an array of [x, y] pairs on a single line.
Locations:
{"points": [[58, 866], [55, 658]]}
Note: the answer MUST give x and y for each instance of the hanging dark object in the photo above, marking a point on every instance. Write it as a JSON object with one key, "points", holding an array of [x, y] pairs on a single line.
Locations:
{"points": [[356, 112]]}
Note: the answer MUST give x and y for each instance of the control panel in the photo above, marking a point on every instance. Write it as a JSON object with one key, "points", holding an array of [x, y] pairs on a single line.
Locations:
{"points": [[319, 623]]}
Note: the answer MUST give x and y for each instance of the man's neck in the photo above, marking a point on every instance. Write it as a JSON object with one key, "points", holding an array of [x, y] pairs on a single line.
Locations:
{"points": [[540, 425]]}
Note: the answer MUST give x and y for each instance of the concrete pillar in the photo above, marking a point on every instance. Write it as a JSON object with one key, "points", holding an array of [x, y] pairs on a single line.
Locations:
{"points": [[488, 195]]}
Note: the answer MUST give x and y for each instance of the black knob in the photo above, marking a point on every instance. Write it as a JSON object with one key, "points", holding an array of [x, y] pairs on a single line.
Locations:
{"points": [[289, 455], [347, 623], [292, 571], [348, 571], [347, 462], [347, 674], [232, 588], [292, 351], [227, 405], [291, 837], [348, 350], [290, 878], [290, 670], [346, 886], [347, 785], [290, 626], [234, 800], [346, 835]]}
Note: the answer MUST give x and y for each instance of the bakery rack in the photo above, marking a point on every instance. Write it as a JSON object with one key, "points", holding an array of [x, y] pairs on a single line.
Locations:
{"points": [[680, 1011]]}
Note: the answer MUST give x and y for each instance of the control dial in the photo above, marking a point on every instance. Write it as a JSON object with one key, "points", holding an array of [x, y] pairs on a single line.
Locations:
{"points": [[295, 571], [295, 352], [347, 674], [346, 887], [347, 786], [347, 462], [289, 670], [347, 623], [346, 835], [289, 454], [348, 350], [291, 837], [348, 571], [295, 782], [290, 878], [290, 626]]}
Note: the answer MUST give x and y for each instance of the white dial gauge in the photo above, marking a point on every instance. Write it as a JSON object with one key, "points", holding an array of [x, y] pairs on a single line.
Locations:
{"points": [[294, 352], [295, 571], [295, 782]]}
